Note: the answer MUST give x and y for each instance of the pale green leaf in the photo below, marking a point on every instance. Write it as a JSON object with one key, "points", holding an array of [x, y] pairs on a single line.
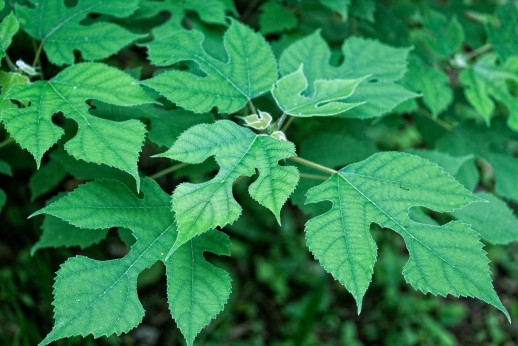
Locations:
{"points": [[443, 260], [239, 152], [362, 57], [324, 101], [8, 28], [250, 69], [100, 297], [98, 140], [493, 220], [486, 81], [60, 28], [276, 18]]}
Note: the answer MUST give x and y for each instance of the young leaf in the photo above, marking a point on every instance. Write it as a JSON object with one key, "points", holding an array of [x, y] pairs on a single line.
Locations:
{"points": [[239, 152], [325, 100], [486, 81], [100, 298], [362, 57], [8, 28], [443, 36], [443, 260], [60, 29], [249, 71], [494, 220], [101, 141]]}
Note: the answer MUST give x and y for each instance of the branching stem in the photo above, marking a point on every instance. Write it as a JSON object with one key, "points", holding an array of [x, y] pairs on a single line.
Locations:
{"points": [[480, 50], [313, 177], [436, 120]]}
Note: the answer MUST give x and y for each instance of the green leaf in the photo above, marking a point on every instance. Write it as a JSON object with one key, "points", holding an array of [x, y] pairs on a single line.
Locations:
{"points": [[276, 18], [7, 80], [503, 37], [493, 220], [46, 178], [210, 11], [324, 101], [60, 28], [434, 84], [100, 297], [443, 260], [166, 125], [238, 152], [451, 164], [249, 71], [443, 36], [487, 144], [116, 144], [57, 233], [3, 199], [8, 28], [340, 6], [362, 57], [486, 81]]}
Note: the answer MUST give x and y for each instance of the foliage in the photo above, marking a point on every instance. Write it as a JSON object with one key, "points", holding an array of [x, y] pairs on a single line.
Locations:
{"points": [[396, 115]]}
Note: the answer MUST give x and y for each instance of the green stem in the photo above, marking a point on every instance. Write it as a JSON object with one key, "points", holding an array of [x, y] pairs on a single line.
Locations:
{"points": [[313, 177], [480, 50], [281, 120], [10, 63], [438, 121], [6, 142], [252, 107], [168, 170], [38, 54], [313, 165], [288, 123]]}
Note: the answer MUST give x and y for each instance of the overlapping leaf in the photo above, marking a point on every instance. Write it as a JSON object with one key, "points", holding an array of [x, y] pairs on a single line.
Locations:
{"points": [[101, 141], [6, 170], [250, 69], [489, 145], [239, 152], [8, 28], [60, 28], [443, 260], [486, 81], [100, 297], [324, 101], [362, 57]]}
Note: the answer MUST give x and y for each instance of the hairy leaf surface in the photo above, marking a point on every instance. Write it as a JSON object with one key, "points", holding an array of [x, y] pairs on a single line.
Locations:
{"points": [[100, 297], [384, 64], [60, 29], [250, 69], [324, 101], [239, 152], [443, 260], [98, 140]]}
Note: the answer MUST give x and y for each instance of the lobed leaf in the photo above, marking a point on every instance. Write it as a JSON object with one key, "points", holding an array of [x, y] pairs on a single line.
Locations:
{"points": [[116, 144], [443, 260], [249, 71], [100, 297], [239, 152], [362, 57], [61, 31]]}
